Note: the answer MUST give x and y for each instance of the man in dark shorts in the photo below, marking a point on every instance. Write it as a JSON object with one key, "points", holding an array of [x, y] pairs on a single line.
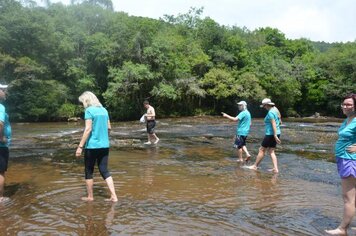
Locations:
{"points": [[5, 139], [151, 124]]}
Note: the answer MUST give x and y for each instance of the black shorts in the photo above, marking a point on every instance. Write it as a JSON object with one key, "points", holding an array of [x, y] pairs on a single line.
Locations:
{"points": [[4, 158], [151, 124], [240, 141], [269, 141], [99, 156]]}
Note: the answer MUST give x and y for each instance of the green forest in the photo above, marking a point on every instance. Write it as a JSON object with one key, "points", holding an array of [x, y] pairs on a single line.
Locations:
{"points": [[184, 65]]}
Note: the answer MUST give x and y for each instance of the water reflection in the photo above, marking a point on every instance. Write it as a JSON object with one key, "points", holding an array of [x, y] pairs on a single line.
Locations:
{"points": [[94, 223], [189, 184]]}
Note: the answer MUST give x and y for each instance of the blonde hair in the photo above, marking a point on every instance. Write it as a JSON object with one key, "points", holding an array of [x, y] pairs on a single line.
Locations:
{"points": [[89, 99]]}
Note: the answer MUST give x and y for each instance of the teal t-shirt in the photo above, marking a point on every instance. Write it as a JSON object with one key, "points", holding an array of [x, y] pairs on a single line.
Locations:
{"points": [[99, 137], [347, 137], [4, 117], [244, 123], [272, 114]]}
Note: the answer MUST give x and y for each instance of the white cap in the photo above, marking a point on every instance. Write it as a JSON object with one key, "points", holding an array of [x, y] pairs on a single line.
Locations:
{"points": [[242, 103], [3, 86], [267, 101]]}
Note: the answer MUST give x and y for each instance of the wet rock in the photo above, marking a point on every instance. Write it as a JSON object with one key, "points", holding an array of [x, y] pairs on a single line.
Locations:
{"points": [[74, 119], [317, 116], [125, 142]]}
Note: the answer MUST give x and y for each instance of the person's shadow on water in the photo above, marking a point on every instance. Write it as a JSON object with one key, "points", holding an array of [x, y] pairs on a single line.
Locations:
{"points": [[96, 221]]}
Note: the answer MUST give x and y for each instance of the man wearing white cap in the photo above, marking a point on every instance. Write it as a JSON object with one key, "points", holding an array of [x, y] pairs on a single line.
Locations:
{"points": [[243, 120], [272, 134], [5, 139]]}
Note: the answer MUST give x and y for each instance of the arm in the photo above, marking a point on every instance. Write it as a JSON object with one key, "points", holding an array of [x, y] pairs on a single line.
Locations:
{"points": [[352, 148], [229, 117], [2, 137], [109, 126], [87, 131], [274, 126], [151, 114]]}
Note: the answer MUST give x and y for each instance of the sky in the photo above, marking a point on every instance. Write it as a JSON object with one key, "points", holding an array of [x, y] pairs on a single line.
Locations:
{"points": [[317, 20]]}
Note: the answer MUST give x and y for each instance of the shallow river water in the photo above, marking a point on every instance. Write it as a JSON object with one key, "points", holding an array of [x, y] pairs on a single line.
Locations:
{"points": [[188, 184]]}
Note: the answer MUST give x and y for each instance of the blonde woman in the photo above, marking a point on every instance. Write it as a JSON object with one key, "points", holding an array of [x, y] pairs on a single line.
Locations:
{"points": [[95, 142]]}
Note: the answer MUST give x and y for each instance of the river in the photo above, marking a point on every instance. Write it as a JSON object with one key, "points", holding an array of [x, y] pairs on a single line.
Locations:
{"points": [[188, 184]]}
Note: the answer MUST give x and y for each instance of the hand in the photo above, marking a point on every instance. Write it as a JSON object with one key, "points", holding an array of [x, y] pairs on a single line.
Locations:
{"points": [[78, 153], [352, 148], [223, 114], [277, 139], [3, 140]]}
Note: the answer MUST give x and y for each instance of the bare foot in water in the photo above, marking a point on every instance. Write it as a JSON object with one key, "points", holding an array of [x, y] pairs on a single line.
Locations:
{"points": [[247, 159], [112, 199], [273, 170], [4, 199], [253, 167], [240, 160], [336, 231], [87, 199]]}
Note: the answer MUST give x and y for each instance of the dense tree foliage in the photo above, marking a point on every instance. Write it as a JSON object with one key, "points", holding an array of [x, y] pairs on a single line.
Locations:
{"points": [[184, 64]]}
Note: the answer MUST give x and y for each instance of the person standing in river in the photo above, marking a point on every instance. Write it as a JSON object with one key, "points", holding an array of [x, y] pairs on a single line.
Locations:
{"points": [[150, 123], [243, 120], [272, 134], [5, 140], [95, 142], [345, 153]]}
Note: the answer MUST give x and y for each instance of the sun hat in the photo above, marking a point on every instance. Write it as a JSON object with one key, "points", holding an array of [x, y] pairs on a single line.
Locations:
{"points": [[242, 103], [3, 86], [267, 101]]}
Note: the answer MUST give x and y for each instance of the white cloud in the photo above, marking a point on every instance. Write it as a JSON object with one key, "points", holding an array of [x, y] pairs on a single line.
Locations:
{"points": [[298, 22]]}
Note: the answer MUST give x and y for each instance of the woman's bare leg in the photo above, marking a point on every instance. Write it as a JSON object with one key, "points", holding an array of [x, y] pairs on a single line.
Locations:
{"points": [[239, 155], [111, 186], [348, 195], [259, 158], [274, 160], [89, 184]]}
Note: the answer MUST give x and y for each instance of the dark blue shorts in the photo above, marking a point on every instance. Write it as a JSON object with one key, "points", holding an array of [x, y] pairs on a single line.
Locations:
{"points": [[240, 141], [269, 141], [4, 158], [151, 124]]}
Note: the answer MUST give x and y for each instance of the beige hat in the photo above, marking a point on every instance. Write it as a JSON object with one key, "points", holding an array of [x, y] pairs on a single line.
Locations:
{"points": [[242, 103], [267, 101]]}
